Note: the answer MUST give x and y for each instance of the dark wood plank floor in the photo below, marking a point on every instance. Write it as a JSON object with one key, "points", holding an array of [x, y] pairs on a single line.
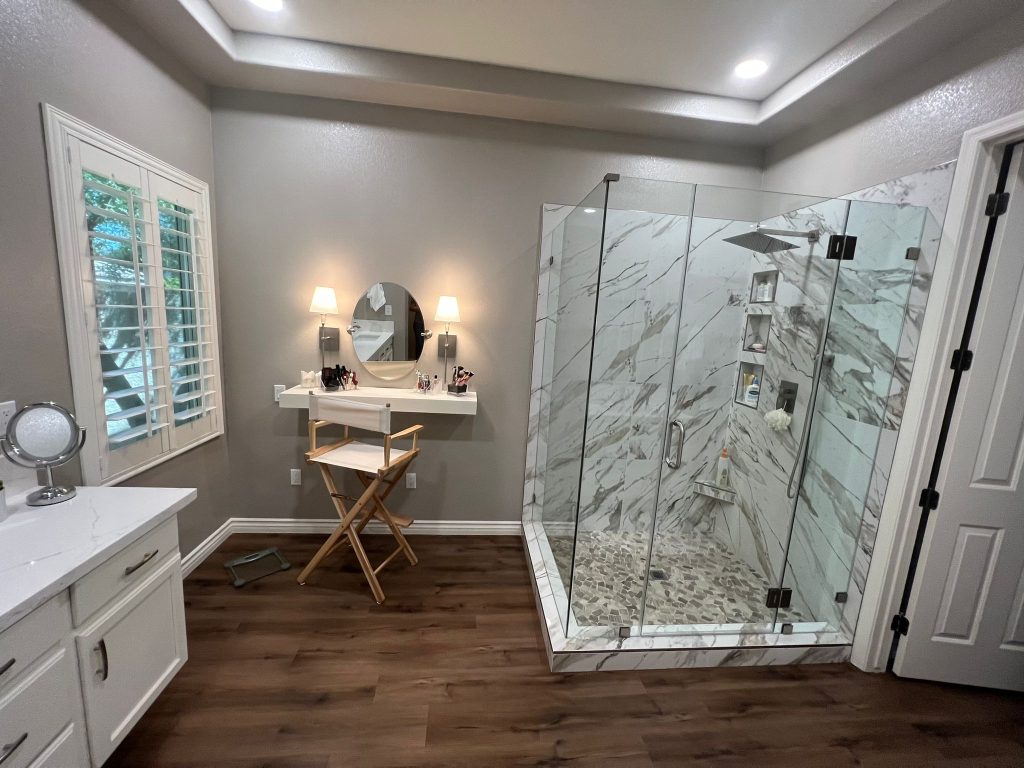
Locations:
{"points": [[451, 672]]}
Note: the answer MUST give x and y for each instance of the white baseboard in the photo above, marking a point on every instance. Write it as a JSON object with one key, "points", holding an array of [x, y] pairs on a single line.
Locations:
{"points": [[286, 525]]}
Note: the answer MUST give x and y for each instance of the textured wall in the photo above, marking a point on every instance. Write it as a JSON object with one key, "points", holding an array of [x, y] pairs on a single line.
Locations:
{"points": [[335, 193], [909, 123], [85, 60]]}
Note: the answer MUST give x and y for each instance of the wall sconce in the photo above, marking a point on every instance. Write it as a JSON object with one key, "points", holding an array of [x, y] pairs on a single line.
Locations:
{"points": [[325, 303], [447, 313]]}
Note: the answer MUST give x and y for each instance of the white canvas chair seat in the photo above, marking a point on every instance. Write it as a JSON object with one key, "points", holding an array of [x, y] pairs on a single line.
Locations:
{"points": [[378, 468], [359, 456]]}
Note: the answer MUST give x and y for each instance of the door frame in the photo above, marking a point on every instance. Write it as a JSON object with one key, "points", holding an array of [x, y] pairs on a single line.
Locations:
{"points": [[952, 283]]}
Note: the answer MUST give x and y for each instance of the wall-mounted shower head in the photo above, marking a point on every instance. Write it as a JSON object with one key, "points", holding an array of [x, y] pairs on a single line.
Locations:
{"points": [[761, 240]]}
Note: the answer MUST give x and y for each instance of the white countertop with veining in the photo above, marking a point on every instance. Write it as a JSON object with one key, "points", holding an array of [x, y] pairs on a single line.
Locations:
{"points": [[43, 550]]}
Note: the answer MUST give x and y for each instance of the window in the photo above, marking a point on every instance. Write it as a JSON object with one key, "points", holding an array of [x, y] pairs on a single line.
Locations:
{"points": [[133, 239]]}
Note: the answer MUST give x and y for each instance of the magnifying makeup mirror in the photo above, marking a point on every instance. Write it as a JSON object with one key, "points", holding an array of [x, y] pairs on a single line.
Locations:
{"points": [[43, 436]]}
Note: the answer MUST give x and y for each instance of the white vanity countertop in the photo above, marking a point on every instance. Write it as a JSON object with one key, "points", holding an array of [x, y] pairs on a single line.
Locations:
{"points": [[44, 550], [401, 400]]}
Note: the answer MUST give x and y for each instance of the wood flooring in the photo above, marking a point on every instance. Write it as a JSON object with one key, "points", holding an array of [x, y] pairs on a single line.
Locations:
{"points": [[451, 672]]}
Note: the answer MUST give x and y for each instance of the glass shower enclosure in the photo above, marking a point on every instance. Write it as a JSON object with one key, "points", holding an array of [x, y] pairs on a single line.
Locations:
{"points": [[715, 372]]}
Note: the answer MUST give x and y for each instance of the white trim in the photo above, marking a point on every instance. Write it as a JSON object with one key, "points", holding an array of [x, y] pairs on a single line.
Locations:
{"points": [[952, 282], [287, 525], [60, 129]]}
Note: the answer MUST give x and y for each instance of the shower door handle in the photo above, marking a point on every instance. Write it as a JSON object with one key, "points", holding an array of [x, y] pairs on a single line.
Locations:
{"points": [[674, 463]]}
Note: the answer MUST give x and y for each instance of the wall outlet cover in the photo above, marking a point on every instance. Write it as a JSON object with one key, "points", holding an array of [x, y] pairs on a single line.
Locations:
{"points": [[296, 476], [410, 480], [278, 389], [7, 410]]}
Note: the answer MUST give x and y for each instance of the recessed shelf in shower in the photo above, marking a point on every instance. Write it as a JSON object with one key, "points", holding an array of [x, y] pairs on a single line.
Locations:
{"points": [[748, 384], [715, 492], [755, 335], [763, 286]]}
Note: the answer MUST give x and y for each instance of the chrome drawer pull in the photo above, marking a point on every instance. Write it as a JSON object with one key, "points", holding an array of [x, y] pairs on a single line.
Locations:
{"points": [[104, 672], [10, 749], [145, 559], [7, 666]]}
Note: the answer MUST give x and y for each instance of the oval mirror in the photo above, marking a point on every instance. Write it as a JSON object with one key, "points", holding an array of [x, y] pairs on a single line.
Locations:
{"points": [[387, 331]]}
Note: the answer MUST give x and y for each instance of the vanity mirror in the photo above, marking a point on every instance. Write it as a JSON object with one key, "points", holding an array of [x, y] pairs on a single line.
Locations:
{"points": [[387, 331]]}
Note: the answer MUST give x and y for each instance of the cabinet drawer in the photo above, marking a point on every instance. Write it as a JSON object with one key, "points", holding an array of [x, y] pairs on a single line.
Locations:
{"points": [[127, 568], [128, 654], [67, 750], [26, 641], [37, 709]]}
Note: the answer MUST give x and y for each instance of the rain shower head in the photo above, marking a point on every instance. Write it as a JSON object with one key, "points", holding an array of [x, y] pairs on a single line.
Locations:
{"points": [[761, 240]]}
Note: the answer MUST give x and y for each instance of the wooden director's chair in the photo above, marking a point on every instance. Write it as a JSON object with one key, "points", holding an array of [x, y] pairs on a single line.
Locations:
{"points": [[378, 468]]}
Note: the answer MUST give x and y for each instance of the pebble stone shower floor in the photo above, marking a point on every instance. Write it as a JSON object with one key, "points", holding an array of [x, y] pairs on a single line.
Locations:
{"points": [[694, 580]]}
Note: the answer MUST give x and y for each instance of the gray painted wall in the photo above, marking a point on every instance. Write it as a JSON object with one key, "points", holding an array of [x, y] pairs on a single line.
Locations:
{"points": [[908, 124], [91, 63], [316, 192]]}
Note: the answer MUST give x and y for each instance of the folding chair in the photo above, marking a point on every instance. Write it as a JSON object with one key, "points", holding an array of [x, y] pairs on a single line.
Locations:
{"points": [[378, 468]]}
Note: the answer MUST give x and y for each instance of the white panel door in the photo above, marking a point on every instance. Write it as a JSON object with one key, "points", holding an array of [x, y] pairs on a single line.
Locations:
{"points": [[967, 607]]}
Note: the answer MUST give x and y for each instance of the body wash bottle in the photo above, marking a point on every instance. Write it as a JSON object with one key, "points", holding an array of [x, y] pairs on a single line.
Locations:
{"points": [[722, 472]]}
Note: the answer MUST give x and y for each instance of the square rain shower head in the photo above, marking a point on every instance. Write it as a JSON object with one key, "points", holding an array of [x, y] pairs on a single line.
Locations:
{"points": [[760, 242]]}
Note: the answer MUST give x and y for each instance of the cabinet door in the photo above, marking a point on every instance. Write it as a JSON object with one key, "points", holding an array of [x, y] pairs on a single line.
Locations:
{"points": [[129, 654]]}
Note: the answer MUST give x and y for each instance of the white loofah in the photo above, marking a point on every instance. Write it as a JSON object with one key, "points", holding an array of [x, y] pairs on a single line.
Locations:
{"points": [[778, 420]]}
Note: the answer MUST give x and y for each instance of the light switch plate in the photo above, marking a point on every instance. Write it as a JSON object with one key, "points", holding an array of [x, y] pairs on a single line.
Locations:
{"points": [[296, 476], [278, 389], [410, 480], [7, 410], [388, 311]]}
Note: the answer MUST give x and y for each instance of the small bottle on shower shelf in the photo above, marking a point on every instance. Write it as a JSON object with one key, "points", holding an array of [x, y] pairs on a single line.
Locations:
{"points": [[722, 472]]}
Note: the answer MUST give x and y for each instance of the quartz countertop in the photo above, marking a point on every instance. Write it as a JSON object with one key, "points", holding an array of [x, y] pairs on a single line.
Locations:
{"points": [[44, 550]]}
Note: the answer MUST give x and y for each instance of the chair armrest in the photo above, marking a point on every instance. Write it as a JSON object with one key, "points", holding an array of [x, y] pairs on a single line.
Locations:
{"points": [[407, 432], [411, 431]]}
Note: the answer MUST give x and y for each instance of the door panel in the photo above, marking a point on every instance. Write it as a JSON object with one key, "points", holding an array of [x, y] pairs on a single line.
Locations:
{"points": [[969, 631]]}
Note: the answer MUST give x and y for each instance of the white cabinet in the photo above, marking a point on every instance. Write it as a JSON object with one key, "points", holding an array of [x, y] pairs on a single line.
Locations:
{"points": [[128, 654], [80, 670]]}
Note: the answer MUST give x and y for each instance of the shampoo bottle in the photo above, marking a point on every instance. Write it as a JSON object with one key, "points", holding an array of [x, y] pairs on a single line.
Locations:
{"points": [[722, 473]]}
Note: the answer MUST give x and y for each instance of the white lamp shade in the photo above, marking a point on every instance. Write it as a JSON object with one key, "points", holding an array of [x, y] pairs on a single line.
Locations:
{"points": [[324, 301], [447, 310]]}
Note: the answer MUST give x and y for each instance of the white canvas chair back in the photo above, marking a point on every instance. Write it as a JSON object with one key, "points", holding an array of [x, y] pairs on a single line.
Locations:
{"points": [[373, 418]]}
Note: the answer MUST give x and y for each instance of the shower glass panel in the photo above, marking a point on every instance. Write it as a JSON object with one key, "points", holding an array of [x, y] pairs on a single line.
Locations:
{"points": [[754, 310], [571, 300], [646, 230], [853, 408]]}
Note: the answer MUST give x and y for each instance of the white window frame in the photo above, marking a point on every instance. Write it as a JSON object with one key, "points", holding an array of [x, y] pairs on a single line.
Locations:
{"points": [[63, 134]]}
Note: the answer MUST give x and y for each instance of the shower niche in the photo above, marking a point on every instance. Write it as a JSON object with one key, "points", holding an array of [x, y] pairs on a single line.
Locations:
{"points": [[763, 286], [748, 384], [755, 334]]}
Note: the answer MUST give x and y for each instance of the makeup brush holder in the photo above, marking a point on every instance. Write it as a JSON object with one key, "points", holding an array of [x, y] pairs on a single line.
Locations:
{"points": [[458, 389]]}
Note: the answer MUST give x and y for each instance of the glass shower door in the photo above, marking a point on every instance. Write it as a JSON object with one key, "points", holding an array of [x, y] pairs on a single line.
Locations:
{"points": [[862, 389], [753, 312]]}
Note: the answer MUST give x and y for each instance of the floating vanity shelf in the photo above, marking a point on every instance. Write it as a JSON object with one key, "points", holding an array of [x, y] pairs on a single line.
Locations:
{"points": [[756, 333], [748, 373], [400, 400], [763, 286], [709, 489]]}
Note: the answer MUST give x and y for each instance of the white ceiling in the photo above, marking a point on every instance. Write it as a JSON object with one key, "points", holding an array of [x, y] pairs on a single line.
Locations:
{"points": [[688, 45], [645, 67]]}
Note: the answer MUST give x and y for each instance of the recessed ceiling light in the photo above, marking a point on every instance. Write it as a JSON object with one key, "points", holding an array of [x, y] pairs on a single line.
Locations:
{"points": [[751, 68], [590, 210], [268, 5]]}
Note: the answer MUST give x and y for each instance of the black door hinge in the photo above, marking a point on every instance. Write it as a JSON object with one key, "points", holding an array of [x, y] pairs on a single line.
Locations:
{"points": [[841, 247], [962, 359], [929, 499], [779, 597], [997, 204], [900, 623]]}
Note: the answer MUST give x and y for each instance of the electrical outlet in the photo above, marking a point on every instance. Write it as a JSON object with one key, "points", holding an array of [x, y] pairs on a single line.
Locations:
{"points": [[7, 410], [410, 480], [296, 476], [278, 389]]}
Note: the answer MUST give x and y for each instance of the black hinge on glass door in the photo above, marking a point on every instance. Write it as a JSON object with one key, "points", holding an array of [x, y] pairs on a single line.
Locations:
{"points": [[779, 597], [841, 247], [962, 359]]}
